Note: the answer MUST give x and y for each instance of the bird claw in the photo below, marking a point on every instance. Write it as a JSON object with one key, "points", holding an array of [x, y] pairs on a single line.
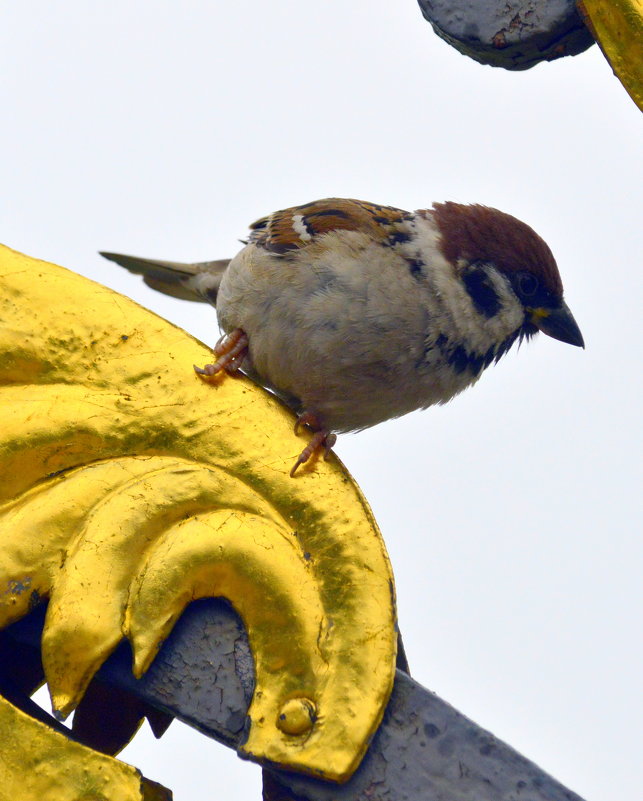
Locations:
{"points": [[322, 438], [209, 369], [231, 349]]}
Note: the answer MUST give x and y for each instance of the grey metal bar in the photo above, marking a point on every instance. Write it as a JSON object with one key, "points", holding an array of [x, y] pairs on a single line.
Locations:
{"points": [[424, 749]]}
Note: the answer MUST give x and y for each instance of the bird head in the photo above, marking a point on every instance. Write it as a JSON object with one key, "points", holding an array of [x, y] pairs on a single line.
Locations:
{"points": [[479, 240]]}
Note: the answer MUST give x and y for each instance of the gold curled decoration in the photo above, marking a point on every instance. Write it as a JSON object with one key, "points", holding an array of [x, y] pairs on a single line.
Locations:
{"points": [[617, 26], [130, 487], [39, 763]]}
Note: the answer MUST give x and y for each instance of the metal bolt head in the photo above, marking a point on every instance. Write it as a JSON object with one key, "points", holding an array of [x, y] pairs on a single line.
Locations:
{"points": [[297, 716]]}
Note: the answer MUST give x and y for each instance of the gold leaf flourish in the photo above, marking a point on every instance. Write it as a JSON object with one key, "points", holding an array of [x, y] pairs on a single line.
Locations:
{"points": [[40, 764], [617, 26], [129, 487]]}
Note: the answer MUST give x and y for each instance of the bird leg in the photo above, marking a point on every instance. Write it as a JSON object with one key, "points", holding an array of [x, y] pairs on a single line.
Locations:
{"points": [[231, 350], [322, 438]]}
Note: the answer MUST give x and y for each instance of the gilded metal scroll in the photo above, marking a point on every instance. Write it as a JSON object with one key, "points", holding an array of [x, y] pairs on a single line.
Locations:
{"points": [[129, 487], [37, 763], [617, 26]]}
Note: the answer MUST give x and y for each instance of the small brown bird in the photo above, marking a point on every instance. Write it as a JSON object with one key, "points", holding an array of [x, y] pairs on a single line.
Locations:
{"points": [[354, 313]]}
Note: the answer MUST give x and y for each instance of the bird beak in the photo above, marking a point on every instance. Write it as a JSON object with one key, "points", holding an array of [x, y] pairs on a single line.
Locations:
{"points": [[558, 323]]}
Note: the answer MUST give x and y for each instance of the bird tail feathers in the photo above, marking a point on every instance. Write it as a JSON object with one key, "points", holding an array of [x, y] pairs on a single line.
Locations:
{"points": [[196, 282]]}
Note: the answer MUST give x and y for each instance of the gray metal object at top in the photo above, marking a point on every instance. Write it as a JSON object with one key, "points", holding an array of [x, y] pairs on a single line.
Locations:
{"points": [[508, 33]]}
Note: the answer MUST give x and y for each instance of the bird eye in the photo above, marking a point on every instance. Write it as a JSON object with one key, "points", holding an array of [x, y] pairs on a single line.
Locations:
{"points": [[527, 284]]}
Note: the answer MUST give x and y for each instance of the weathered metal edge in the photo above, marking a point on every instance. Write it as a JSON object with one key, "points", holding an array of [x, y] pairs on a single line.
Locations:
{"points": [[511, 35], [424, 750]]}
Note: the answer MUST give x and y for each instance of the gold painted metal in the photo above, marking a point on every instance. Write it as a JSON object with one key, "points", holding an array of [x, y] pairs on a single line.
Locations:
{"points": [[617, 26], [129, 487], [40, 764]]}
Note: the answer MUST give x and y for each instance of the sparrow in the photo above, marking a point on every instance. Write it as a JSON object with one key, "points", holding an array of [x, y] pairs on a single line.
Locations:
{"points": [[354, 313]]}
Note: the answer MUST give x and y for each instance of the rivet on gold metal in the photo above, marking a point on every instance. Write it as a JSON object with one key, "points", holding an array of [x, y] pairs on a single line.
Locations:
{"points": [[297, 716]]}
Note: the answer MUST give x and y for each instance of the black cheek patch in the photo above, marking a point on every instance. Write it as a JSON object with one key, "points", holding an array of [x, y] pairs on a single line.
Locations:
{"points": [[483, 295]]}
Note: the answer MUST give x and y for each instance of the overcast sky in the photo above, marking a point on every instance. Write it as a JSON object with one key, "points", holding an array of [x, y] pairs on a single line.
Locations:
{"points": [[512, 515]]}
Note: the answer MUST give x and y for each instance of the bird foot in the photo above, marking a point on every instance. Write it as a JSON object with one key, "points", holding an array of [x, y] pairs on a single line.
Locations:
{"points": [[231, 350], [321, 439]]}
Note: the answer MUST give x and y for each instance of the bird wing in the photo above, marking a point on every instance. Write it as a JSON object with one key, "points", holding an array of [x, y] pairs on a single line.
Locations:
{"points": [[197, 282], [299, 226]]}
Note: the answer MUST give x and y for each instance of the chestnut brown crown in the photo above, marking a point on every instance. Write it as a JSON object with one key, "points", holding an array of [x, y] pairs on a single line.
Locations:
{"points": [[480, 233]]}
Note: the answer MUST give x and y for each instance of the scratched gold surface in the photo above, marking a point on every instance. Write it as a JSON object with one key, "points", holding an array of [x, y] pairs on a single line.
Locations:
{"points": [[617, 26], [129, 487]]}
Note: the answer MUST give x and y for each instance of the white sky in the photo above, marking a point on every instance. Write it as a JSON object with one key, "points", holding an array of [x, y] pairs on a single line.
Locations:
{"points": [[511, 515]]}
